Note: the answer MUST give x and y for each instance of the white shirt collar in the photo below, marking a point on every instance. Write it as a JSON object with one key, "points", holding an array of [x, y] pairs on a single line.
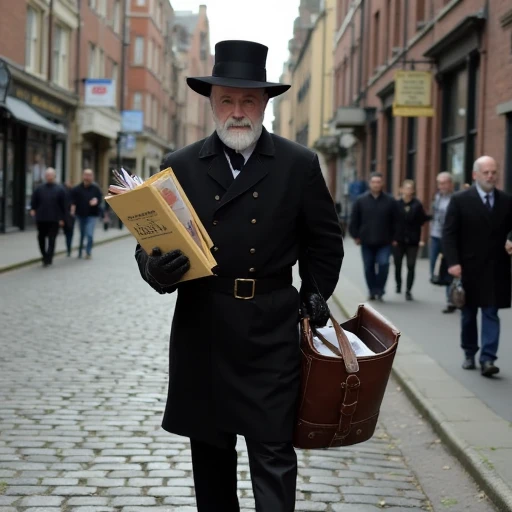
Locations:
{"points": [[482, 193], [246, 153]]}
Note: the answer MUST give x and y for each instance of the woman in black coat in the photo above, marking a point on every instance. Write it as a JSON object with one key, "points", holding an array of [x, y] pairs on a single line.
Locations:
{"points": [[410, 218]]}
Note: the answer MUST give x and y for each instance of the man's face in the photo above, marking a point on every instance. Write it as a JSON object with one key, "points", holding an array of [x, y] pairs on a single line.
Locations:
{"points": [[88, 176], [444, 185], [376, 185], [238, 115], [49, 176], [487, 174]]}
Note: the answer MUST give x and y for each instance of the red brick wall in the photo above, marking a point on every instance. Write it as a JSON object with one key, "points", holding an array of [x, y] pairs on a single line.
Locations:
{"points": [[12, 32]]}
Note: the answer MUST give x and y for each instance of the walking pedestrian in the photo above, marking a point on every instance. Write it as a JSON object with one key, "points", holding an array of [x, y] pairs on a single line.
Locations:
{"points": [[234, 349], [373, 226], [69, 219], [410, 219], [48, 208], [87, 198], [477, 223], [439, 207]]}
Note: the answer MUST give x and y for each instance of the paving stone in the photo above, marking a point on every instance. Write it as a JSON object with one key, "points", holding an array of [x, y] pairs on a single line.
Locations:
{"points": [[310, 505], [89, 500], [169, 491], [25, 490], [38, 501], [133, 500], [8, 500], [74, 491]]}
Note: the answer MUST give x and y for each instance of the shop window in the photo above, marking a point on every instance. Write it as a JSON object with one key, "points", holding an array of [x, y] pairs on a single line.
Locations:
{"points": [[376, 40], [412, 138], [460, 123], [137, 101], [60, 57], [390, 144], [373, 146], [420, 13], [116, 21], [92, 61]]}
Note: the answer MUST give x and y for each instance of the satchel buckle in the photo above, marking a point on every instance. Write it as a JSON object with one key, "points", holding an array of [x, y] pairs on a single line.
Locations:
{"points": [[253, 289]]}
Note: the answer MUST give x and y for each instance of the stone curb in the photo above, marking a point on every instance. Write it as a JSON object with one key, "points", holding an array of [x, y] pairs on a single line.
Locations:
{"points": [[498, 491], [26, 263]]}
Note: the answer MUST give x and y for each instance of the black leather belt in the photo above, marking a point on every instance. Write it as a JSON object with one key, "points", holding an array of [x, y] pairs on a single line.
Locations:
{"points": [[245, 288]]}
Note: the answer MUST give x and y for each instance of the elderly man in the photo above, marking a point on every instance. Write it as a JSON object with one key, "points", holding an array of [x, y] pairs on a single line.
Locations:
{"points": [[234, 349], [48, 206], [439, 208], [475, 230]]}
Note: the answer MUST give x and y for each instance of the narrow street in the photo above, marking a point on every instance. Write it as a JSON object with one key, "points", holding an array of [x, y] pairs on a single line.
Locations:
{"points": [[83, 375]]}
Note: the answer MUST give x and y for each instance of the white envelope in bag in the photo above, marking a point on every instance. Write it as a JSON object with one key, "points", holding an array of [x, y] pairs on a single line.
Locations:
{"points": [[329, 334]]}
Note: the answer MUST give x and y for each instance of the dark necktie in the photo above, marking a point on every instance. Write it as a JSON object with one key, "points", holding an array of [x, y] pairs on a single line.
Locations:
{"points": [[488, 201], [237, 159]]}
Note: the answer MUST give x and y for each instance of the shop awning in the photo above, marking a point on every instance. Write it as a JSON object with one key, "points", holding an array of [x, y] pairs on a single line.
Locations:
{"points": [[24, 113]]}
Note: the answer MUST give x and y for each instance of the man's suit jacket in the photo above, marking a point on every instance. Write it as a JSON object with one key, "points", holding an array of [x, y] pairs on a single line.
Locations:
{"points": [[234, 364], [475, 238]]}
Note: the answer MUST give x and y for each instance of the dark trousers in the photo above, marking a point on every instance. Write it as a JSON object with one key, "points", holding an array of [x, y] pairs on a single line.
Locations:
{"points": [[376, 267], [411, 253], [490, 333], [68, 229], [273, 473], [47, 231]]}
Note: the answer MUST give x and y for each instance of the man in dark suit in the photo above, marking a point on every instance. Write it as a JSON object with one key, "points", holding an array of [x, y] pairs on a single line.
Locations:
{"points": [[474, 237], [234, 349]]}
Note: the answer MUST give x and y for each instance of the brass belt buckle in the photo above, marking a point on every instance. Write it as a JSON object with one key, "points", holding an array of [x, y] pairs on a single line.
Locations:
{"points": [[253, 281]]}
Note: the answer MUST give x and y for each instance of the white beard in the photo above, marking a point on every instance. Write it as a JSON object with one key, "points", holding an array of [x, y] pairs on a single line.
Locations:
{"points": [[239, 139]]}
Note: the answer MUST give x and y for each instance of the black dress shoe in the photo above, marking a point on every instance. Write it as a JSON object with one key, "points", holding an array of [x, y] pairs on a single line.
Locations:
{"points": [[408, 296], [398, 289], [371, 297], [489, 369], [469, 364], [449, 309]]}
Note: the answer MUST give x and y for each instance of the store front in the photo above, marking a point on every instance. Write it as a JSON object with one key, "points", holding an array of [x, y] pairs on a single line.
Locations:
{"points": [[33, 136]]}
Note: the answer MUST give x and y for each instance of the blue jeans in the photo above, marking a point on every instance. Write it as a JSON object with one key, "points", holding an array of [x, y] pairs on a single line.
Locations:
{"points": [[435, 250], [87, 225], [376, 267], [490, 335]]}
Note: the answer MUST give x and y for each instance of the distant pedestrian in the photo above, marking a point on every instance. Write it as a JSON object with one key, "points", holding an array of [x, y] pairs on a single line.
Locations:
{"points": [[48, 206], [478, 221], [86, 206], [373, 225], [439, 207], [69, 219], [410, 218]]}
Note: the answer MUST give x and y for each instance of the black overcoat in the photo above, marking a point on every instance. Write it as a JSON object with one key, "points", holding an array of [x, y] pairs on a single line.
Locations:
{"points": [[475, 238], [234, 364]]}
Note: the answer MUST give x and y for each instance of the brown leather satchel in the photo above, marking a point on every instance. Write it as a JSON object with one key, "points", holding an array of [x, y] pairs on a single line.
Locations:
{"points": [[341, 396]]}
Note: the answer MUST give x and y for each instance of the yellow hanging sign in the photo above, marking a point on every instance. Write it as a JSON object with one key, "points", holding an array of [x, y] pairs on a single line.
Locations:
{"points": [[413, 94]]}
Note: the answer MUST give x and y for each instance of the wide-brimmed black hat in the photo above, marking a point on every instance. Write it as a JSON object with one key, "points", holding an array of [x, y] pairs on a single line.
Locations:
{"points": [[238, 64]]}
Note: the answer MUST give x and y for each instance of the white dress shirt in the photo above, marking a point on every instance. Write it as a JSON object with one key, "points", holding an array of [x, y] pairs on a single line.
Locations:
{"points": [[482, 193], [246, 153]]}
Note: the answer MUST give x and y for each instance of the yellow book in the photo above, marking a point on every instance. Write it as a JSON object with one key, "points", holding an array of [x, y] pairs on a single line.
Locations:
{"points": [[147, 214]]}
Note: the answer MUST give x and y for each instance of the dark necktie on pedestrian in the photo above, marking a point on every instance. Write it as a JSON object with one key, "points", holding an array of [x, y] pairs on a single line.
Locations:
{"points": [[488, 201], [237, 159]]}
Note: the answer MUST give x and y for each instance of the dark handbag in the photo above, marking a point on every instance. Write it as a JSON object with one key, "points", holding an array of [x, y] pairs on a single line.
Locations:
{"points": [[457, 294], [440, 275], [341, 397]]}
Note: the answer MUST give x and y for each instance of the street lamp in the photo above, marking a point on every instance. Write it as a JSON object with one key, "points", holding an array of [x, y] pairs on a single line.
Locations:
{"points": [[5, 80]]}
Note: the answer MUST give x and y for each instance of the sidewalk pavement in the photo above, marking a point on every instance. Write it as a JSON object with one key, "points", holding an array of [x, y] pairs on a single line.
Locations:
{"points": [[480, 438], [20, 249]]}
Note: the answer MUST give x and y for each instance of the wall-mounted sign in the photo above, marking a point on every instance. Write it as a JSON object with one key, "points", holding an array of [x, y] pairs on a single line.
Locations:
{"points": [[413, 94], [132, 121], [100, 92], [43, 104]]}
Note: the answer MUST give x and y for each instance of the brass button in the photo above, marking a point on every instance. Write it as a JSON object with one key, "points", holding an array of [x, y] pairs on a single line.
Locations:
{"points": [[217, 198], [255, 195], [215, 222], [253, 250], [215, 249], [252, 269], [253, 221]]}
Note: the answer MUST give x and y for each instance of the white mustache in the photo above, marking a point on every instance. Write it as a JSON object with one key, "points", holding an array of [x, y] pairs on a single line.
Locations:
{"points": [[238, 124]]}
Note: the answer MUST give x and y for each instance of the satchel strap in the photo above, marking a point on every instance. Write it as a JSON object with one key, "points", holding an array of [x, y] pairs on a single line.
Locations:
{"points": [[345, 351], [348, 408]]}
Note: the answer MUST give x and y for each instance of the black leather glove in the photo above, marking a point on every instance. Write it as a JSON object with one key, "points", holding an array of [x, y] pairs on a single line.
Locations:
{"points": [[166, 270], [314, 305]]}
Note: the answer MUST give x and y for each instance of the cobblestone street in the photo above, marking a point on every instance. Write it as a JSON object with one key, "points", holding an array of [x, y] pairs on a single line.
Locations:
{"points": [[83, 375]]}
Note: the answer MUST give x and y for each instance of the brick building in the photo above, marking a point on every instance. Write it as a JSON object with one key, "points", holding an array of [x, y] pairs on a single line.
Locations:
{"points": [[38, 48], [466, 45]]}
